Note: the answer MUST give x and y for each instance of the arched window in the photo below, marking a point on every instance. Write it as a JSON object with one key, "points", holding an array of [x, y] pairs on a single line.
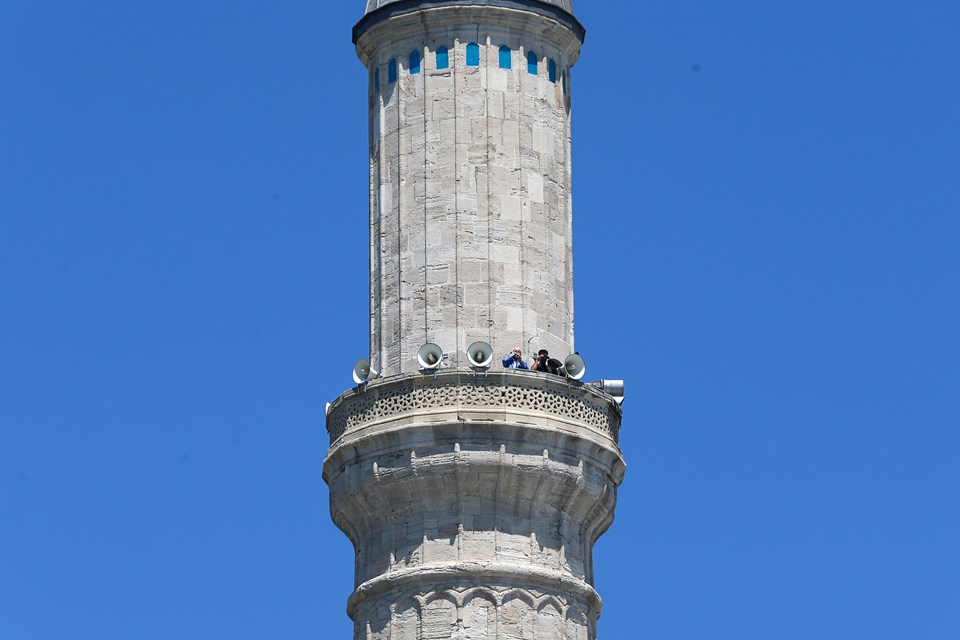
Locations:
{"points": [[376, 79], [443, 58], [532, 63], [563, 80], [392, 70], [473, 55], [506, 57], [414, 62], [552, 71]]}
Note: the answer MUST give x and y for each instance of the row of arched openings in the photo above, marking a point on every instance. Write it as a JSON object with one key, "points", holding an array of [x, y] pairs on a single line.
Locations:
{"points": [[442, 61]]}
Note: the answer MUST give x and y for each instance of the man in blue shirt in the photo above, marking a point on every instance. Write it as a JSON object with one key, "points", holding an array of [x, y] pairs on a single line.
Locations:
{"points": [[514, 360]]}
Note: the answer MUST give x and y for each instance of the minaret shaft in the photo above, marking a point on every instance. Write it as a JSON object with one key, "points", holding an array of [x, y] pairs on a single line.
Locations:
{"points": [[473, 499]]}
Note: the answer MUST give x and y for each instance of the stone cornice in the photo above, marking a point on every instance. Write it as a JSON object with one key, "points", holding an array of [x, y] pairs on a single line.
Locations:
{"points": [[474, 573], [406, 6], [424, 18]]}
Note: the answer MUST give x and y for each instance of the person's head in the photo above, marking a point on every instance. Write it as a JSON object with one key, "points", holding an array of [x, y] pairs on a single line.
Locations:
{"points": [[542, 354], [517, 352]]}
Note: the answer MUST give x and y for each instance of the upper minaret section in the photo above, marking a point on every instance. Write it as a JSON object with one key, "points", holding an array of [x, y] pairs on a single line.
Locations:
{"points": [[470, 175]]}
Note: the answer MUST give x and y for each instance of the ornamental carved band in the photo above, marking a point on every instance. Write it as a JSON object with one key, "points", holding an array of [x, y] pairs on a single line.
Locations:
{"points": [[521, 397], [478, 613]]}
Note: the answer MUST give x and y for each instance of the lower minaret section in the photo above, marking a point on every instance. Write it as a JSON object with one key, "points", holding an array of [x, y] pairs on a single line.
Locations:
{"points": [[473, 502]]}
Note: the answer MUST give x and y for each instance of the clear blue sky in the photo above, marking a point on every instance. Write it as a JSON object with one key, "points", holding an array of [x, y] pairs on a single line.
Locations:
{"points": [[767, 249]]}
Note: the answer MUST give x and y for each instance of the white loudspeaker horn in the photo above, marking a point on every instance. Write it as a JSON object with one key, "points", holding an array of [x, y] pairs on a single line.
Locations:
{"points": [[480, 354], [429, 356], [613, 387], [362, 372], [574, 366]]}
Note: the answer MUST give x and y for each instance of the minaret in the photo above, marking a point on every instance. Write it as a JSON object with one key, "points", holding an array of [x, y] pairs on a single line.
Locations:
{"points": [[473, 498]]}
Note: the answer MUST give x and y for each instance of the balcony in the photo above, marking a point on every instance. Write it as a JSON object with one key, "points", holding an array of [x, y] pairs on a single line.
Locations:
{"points": [[505, 396]]}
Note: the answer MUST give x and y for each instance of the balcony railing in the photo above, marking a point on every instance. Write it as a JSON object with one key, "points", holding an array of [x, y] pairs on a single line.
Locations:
{"points": [[521, 397]]}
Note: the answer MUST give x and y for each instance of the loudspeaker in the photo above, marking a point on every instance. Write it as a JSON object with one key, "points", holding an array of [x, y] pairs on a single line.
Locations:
{"points": [[574, 366], [362, 372], [429, 356], [480, 354], [613, 387]]}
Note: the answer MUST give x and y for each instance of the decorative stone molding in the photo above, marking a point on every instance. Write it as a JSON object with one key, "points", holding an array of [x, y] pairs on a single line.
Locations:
{"points": [[501, 580], [507, 395], [476, 612], [555, 12]]}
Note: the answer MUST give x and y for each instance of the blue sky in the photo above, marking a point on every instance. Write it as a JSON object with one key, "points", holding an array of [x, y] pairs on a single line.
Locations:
{"points": [[766, 249]]}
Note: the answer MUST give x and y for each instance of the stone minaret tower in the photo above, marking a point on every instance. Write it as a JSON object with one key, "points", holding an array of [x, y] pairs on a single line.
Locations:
{"points": [[473, 499]]}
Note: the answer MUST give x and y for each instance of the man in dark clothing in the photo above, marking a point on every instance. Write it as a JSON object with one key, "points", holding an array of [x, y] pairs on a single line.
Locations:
{"points": [[540, 364], [546, 364]]}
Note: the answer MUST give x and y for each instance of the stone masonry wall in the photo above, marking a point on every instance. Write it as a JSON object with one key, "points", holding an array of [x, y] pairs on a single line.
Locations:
{"points": [[470, 208]]}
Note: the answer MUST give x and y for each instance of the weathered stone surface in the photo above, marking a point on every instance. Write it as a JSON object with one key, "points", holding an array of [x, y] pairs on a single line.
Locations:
{"points": [[473, 499], [458, 486], [469, 168]]}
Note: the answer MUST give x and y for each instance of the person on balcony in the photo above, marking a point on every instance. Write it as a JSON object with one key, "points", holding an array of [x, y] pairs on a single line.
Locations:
{"points": [[545, 364], [514, 360]]}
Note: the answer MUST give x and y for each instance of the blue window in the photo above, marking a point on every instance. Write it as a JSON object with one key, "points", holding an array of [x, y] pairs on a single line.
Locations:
{"points": [[443, 58], [506, 61], [552, 70], [414, 62], [473, 55], [392, 70], [532, 63], [376, 80]]}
